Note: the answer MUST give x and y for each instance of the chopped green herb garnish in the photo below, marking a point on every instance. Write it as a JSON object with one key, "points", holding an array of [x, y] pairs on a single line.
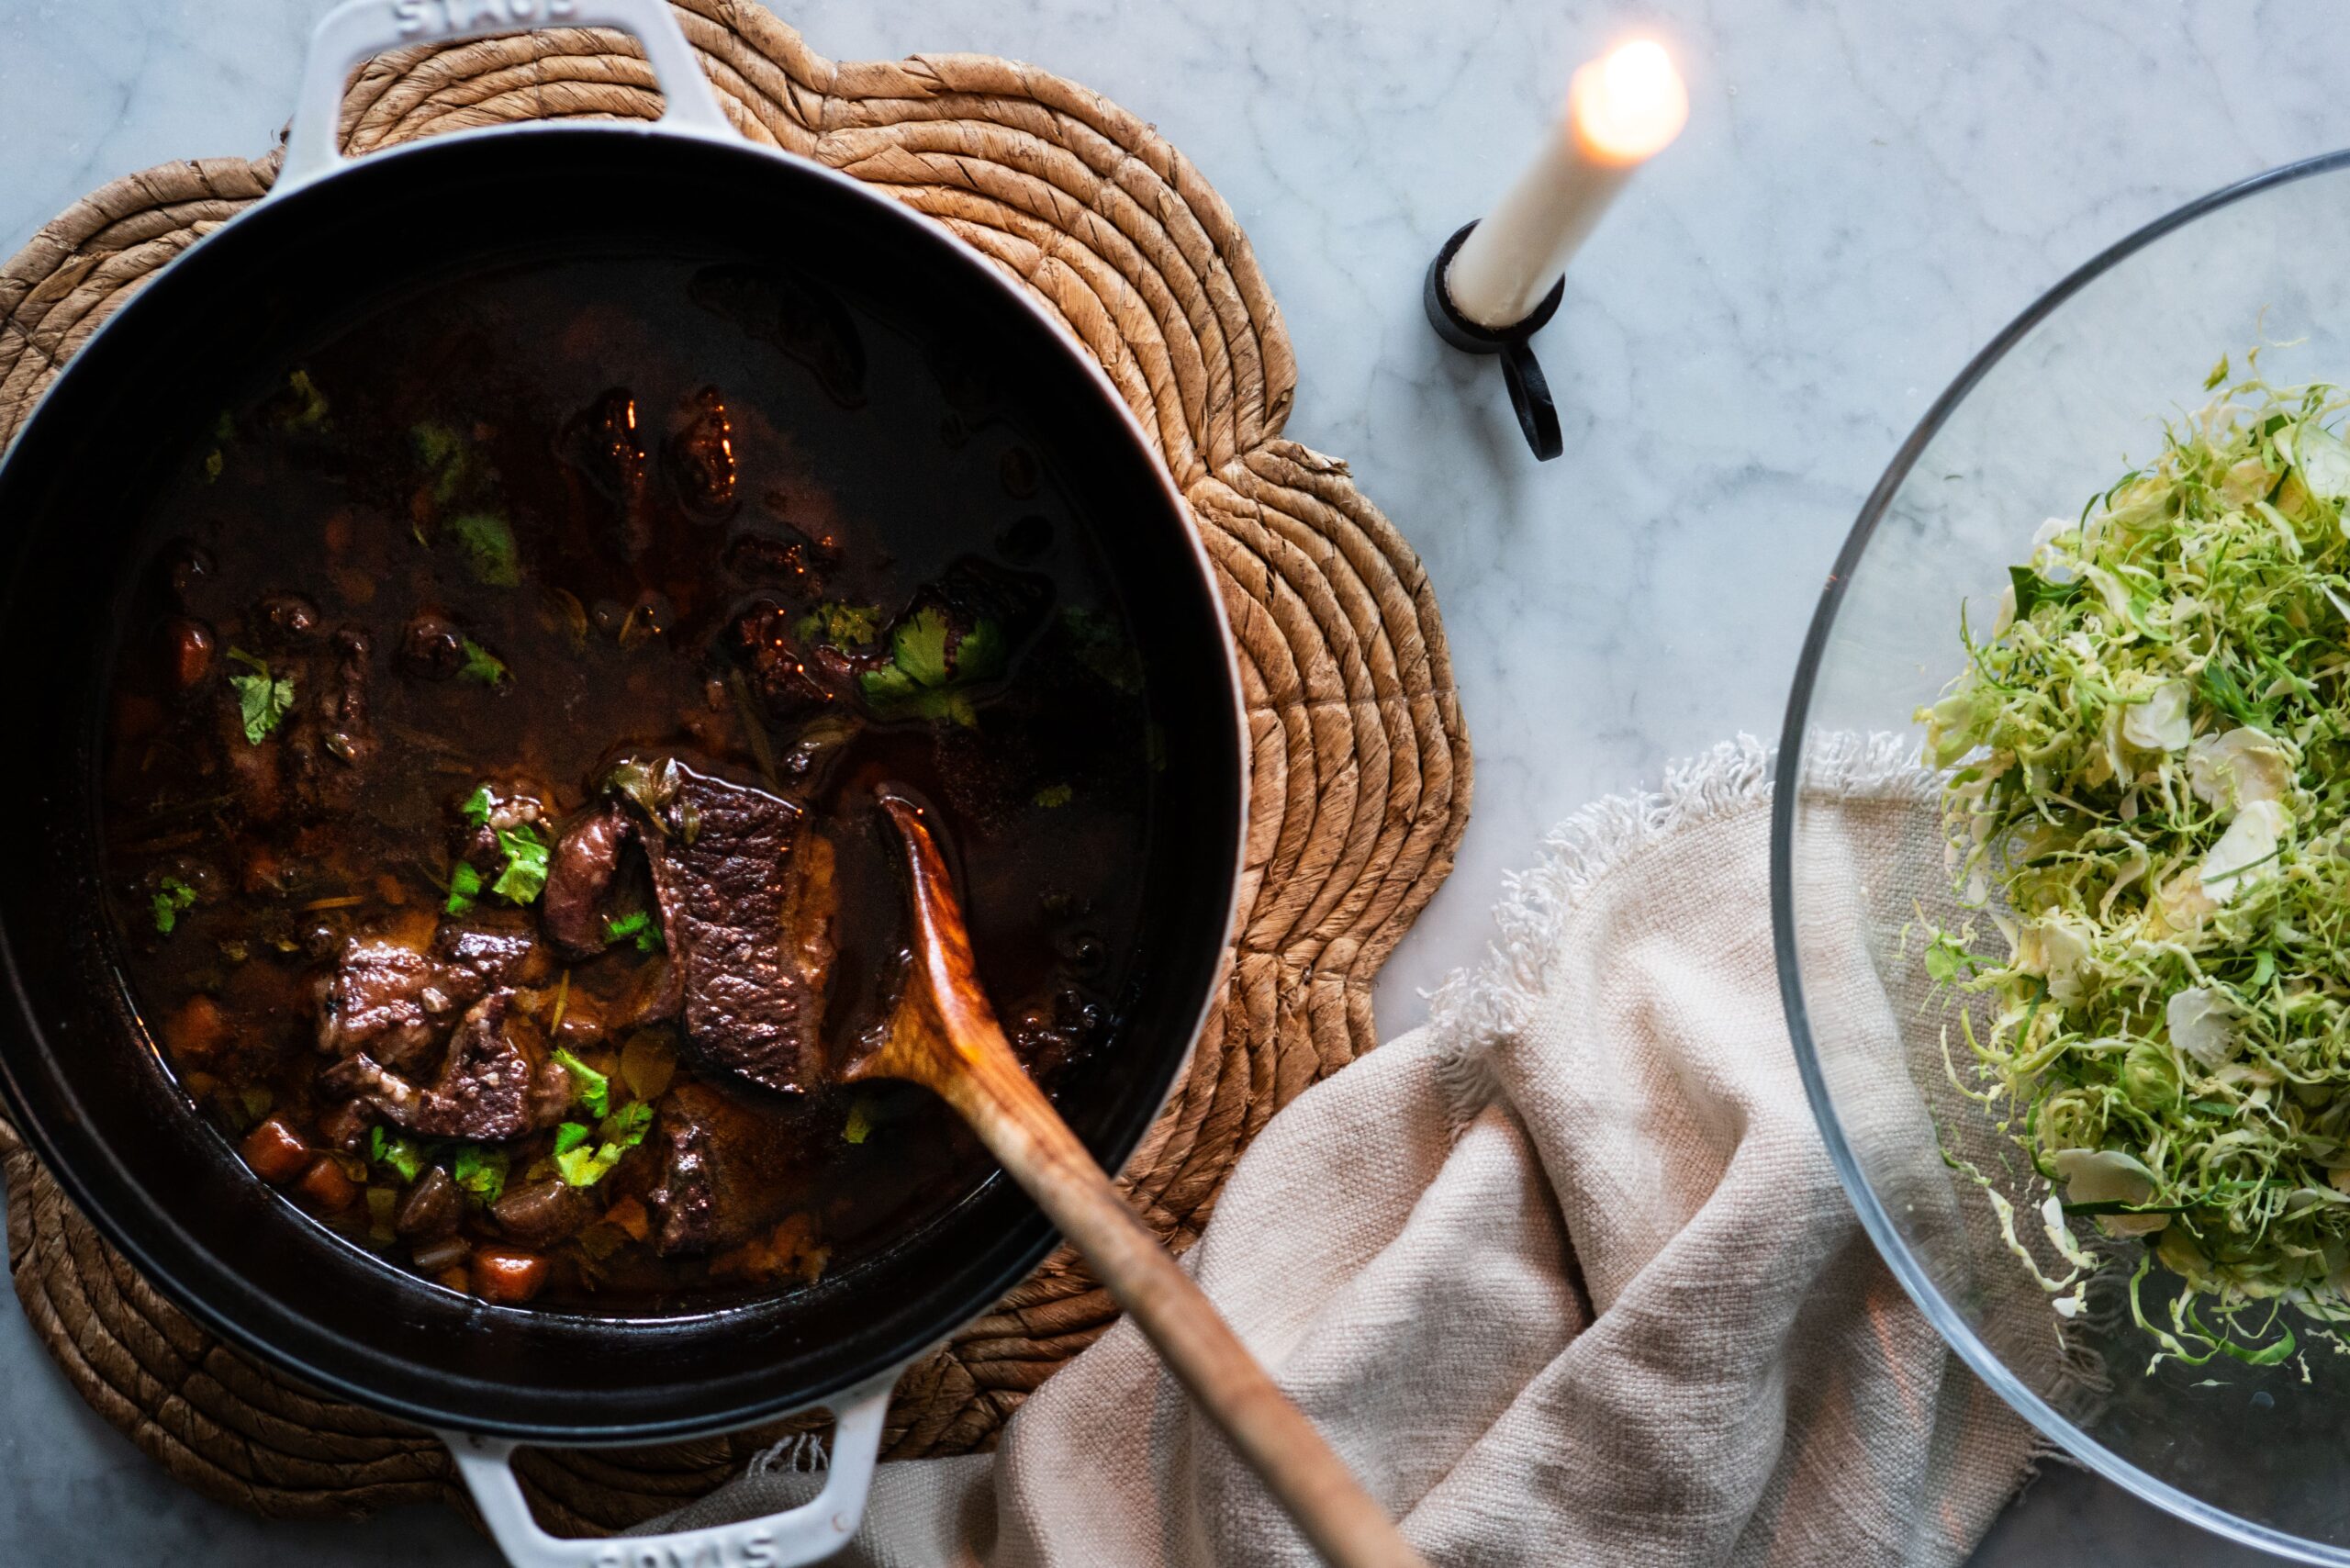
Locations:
{"points": [[213, 465], [480, 1171], [487, 541], [593, 1088], [639, 925], [263, 698], [626, 1125], [570, 1136], [394, 1152], [481, 665], [860, 1120], [464, 888], [2147, 793], [1055, 795], [477, 806], [453, 462], [842, 625], [931, 665], [525, 875], [581, 1167], [1101, 645], [172, 896], [309, 411]]}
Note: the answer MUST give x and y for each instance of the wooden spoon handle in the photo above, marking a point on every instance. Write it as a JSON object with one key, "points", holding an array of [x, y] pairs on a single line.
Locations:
{"points": [[1022, 1129], [944, 1034]]}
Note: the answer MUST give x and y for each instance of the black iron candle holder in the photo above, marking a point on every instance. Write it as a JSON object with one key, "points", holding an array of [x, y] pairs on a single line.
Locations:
{"points": [[1529, 393]]}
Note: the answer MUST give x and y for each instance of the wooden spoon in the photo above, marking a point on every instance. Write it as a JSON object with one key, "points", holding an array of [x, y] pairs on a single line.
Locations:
{"points": [[944, 1036]]}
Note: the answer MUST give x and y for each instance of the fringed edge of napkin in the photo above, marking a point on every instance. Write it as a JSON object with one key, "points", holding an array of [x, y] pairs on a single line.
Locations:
{"points": [[1478, 1004]]}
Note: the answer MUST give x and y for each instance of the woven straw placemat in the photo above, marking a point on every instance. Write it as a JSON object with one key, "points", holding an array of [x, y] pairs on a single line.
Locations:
{"points": [[1359, 767]]}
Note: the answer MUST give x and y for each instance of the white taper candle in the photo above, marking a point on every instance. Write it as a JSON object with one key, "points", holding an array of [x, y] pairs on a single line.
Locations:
{"points": [[1622, 110]]}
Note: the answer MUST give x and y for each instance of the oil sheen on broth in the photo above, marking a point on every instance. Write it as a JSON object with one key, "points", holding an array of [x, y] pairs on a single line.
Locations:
{"points": [[488, 794]]}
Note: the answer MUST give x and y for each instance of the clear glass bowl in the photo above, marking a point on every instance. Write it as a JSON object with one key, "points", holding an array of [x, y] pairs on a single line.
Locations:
{"points": [[2051, 412]]}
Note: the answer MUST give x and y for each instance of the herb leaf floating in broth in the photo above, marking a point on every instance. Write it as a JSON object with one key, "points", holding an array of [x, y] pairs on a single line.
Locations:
{"points": [[481, 666], [525, 874], [932, 662], [485, 542], [172, 897], [2149, 800], [594, 1089], [842, 625], [263, 698]]}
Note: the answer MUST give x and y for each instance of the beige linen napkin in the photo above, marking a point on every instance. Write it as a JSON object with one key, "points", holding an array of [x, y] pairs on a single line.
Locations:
{"points": [[1565, 1275]]}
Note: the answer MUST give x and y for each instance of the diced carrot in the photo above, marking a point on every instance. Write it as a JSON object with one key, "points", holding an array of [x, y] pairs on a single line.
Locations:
{"points": [[276, 1151], [391, 890], [507, 1276], [324, 1184], [200, 1086], [196, 1029], [456, 1279], [629, 1216]]}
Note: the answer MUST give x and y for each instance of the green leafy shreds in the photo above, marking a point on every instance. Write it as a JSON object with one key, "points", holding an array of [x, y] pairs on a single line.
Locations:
{"points": [[464, 888], [525, 873], [2149, 794], [593, 1088], [581, 1165], [485, 540], [842, 625], [263, 697], [1055, 795], [475, 808], [452, 463], [172, 896], [1102, 646], [570, 1136], [481, 665], [932, 662], [403, 1156], [637, 926], [859, 1126], [479, 1171], [303, 406]]}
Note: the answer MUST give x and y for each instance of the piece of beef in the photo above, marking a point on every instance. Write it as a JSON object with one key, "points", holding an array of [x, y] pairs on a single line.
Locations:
{"points": [[496, 1083], [603, 445], [788, 674], [580, 874], [746, 902], [393, 1001], [725, 1173], [794, 312], [330, 742], [701, 455]]}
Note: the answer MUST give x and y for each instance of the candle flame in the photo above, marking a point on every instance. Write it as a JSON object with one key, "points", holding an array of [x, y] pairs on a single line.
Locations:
{"points": [[1626, 107]]}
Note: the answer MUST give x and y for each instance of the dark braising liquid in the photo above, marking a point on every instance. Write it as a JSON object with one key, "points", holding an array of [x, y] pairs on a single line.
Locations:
{"points": [[402, 618]]}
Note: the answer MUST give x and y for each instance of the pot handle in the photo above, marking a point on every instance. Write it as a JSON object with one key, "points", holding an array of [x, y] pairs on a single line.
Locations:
{"points": [[809, 1533], [363, 29]]}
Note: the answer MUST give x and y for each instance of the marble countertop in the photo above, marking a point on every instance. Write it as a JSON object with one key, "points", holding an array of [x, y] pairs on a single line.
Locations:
{"points": [[1864, 193]]}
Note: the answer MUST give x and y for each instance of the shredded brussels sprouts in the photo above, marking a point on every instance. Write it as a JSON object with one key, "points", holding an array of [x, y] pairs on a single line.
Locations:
{"points": [[2149, 797]]}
